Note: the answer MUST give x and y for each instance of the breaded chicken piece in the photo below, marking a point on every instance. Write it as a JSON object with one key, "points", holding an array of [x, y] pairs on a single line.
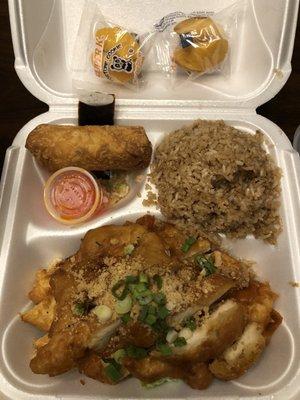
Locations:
{"points": [[109, 240], [259, 298], [199, 376], [220, 330], [138, 334], [274, 322], [69, 335], [94, 148], [232, 268], [42, 314], [217, 285], [152, 250], [172, 238], [202, 246], [42, 341], [261, 308], [150, 369], [237, 359], [93, 366], [41, 287], [148, 221]]}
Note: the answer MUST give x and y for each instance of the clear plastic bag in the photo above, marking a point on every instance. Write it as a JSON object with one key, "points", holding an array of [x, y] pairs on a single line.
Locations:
{"points": [[191, 45], [106, 53]]}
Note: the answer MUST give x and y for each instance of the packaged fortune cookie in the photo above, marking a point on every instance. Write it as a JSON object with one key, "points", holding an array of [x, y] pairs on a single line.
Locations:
{"points": [[106, 53], [197, 43], [117, 55], [201, 47]]}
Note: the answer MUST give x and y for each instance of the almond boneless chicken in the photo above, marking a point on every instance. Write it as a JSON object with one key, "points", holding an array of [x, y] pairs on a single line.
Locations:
{"points": [[145, 300]]}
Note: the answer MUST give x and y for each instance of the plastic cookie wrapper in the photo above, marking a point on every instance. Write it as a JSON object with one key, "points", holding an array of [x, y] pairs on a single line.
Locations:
{"points": [[106, 53], [198, 43]]}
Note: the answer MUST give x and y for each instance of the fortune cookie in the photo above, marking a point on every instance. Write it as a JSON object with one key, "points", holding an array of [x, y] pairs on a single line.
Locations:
{"points": [[117, 55], [202, 45]]}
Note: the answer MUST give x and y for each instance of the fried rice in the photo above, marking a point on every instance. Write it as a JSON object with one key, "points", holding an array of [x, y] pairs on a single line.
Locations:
{"points": [[218, 179]]}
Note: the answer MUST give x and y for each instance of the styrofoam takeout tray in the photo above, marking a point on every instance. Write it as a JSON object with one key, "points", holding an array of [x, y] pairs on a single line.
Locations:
{"points": [[43, 34]]}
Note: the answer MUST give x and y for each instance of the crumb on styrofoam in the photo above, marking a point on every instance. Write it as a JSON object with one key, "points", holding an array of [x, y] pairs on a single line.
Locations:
{"points": [[151, 200], [294, 284], [139, 178]]}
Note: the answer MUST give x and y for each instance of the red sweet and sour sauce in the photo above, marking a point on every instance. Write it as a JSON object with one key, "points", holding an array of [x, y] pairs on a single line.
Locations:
{"points": [[72, 195]]}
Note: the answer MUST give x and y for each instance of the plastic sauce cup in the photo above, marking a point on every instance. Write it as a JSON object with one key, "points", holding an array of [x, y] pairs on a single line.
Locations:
{"points": [[72, 195]]}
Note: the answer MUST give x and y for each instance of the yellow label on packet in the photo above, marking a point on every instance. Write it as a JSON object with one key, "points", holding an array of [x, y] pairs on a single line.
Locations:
{"points": [[97, 59], [117, 56]]}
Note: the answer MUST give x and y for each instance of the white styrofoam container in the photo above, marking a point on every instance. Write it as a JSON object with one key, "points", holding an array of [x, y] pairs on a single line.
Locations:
{"points": [[43, 33]]}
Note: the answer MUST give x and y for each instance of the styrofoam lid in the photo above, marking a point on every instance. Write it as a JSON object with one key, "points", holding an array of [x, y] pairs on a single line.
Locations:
{"points": [[260, 61], [296, 141]]}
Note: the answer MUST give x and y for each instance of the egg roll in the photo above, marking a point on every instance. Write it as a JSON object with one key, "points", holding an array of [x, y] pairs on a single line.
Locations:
{"points": [[94, 148]]}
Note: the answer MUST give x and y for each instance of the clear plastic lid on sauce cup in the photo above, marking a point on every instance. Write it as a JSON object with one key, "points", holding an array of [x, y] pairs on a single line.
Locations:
{"points": [[72, 195]]}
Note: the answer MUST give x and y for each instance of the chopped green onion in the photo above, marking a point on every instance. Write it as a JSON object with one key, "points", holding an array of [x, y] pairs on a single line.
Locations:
{"points": [[126, 318], [141, 290], [150, 319], [171, 336], [143, 278], [103, 313], [143, 313], [161, 326], [124, 306], [162, 312], [160, 298], [144, 299], [152, 309], [136, 352], [116, 287], [113, 372], [179, 342], [79, 309], [158, 280], [118, 355], [128, 249], [190, 323], [131, 279], [140, 287], [164, 349], [205, 264], [188, 244], [131, 287]]}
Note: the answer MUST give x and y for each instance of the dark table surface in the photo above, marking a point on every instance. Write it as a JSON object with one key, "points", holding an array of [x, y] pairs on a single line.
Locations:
{"points": [[18, 106]]}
